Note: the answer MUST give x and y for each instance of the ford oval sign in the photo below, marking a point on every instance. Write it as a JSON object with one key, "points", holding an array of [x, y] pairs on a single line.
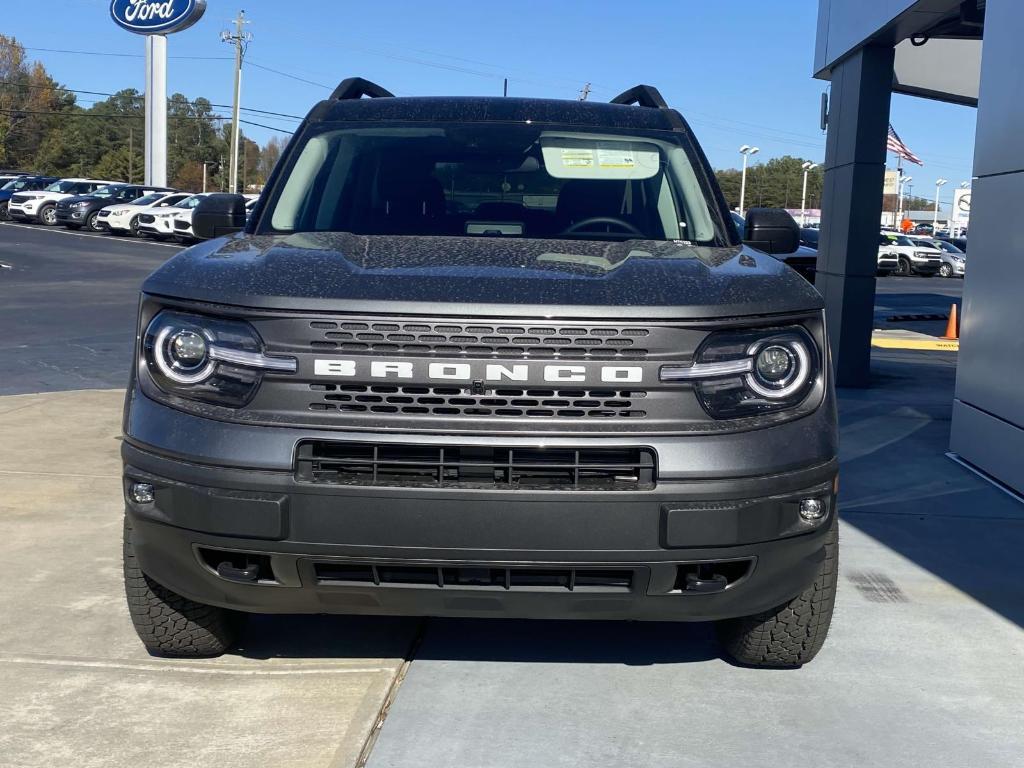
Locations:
{"points": [[156, 17]]}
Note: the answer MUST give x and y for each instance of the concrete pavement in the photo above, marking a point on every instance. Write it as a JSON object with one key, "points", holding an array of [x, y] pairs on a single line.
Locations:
{"points": [[79, 689]]}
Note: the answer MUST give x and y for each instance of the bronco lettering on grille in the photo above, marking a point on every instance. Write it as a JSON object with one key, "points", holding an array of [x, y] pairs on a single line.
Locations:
{"points": [[383, 369]]}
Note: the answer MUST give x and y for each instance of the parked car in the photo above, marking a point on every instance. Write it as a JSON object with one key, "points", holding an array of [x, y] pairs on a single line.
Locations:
{"points": [[42, 206], [954, 261], [809, 237], [388, 395], [803, 260], [888, 259], [124, 218], [911, 258], [161, 224], [83, 210], [21, 184]]}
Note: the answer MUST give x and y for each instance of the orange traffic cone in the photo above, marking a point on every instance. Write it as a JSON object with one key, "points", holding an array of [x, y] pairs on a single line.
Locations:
{"points": [[952, 331]]}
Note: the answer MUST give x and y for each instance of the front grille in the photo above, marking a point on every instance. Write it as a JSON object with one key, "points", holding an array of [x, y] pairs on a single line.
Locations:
{"points": [[456, 402], [479, 467], [147, 218], [482, 576], [20, 199], [501, 340]]}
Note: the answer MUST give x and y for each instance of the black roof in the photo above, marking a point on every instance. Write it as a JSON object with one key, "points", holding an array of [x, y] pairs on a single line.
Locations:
{"points": [[496, 109]]}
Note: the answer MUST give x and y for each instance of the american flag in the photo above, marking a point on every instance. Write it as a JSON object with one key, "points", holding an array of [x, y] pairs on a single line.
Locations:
{"points": [[895, 145]]}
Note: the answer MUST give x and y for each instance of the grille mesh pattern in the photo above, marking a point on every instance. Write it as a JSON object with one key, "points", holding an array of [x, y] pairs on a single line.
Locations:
{"points": [[400, 465], [500, 340], [455, 402]]}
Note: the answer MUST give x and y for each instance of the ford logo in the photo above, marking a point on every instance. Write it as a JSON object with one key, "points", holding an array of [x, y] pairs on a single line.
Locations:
{"points": [[156, 17]]}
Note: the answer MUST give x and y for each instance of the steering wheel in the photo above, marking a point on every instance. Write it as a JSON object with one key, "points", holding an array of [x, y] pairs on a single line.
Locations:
{"points": [[581, 226]]}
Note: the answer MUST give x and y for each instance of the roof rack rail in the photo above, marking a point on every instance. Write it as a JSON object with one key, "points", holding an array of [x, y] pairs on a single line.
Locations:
{"points": [[642, 95], [357, 87]]}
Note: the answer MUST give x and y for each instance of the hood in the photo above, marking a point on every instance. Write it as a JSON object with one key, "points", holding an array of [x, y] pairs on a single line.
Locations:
{"points": [[483, 276]]}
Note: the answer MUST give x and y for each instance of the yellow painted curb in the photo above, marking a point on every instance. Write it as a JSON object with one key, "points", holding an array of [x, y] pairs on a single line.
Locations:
{"points": [[943, 345]]}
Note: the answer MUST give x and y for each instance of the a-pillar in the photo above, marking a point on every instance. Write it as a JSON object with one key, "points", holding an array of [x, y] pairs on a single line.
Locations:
{"points": [[858, 123]]}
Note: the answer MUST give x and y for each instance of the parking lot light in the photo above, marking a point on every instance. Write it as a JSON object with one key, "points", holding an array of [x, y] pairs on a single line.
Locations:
{"points": [[938, 189], [808, 167], [746, 150]]}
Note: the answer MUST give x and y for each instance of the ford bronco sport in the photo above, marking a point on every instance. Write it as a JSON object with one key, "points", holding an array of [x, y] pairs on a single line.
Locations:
{"points": [[483, 357]]}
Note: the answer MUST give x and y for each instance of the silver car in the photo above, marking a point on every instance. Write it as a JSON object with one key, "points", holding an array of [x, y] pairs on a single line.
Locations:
{"points": [[954, 261]]}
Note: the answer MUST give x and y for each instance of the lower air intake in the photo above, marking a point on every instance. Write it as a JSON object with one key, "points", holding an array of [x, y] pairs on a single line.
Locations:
{"points": [[478, 467]]}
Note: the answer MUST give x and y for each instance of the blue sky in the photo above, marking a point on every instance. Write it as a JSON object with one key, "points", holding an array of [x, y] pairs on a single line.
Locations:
{"points": [[739, 70]]}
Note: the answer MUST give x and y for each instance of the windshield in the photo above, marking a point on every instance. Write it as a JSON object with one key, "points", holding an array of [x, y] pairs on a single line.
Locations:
{"points": [[110, 191], [947, 247], [899, 240], [62, 186], [189, 202], [149, 200], [17, 184], [496, 180]]}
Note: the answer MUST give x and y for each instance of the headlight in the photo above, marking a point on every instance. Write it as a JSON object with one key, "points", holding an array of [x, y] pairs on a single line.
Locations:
{"points": [[743, 373], [83, 204], [207, 359]]}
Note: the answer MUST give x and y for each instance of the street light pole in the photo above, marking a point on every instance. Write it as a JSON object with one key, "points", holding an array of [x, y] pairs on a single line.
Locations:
{"points": [[904, 181], [808, 167], [746, 150], [938, 189]]}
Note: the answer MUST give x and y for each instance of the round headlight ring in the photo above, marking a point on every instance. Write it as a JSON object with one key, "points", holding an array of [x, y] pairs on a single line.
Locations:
{"points": [[174, 342], [789, 384]]}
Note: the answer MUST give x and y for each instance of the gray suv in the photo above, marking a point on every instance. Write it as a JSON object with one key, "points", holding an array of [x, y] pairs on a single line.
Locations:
{"points": [[483, 357]]}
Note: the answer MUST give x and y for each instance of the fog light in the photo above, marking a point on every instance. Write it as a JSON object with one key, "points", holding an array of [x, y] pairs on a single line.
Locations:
{"points": [[812, 509], [143, 493]]}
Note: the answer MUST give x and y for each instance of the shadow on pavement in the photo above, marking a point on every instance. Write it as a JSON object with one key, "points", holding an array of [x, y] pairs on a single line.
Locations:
{"points": [[898, 486]]}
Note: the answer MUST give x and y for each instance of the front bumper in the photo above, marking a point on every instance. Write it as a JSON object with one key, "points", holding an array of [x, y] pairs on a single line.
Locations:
{"points": [[219, 501], [23, 212], [72, 216]]}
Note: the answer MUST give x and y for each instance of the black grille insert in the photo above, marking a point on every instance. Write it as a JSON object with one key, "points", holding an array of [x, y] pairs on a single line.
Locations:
{"points": [[390, 465], [499, 340], [502, 403], [475, 577]]}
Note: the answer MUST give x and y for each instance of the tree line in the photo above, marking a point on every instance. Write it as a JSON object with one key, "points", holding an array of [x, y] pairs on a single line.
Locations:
{"points": [[46, 129]]}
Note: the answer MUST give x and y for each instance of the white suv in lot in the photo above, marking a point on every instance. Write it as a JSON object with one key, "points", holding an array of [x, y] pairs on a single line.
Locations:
{"points": [[41, 206], [160, 223], [954, 261], [912, 258], [121, 219]]}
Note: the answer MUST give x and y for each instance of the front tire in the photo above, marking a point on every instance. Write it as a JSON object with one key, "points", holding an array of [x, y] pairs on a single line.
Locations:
{"points": [[48, 215], [792, 634], [171, 625], [946, 271], [4, 215], [92, 223], [903, 270]]}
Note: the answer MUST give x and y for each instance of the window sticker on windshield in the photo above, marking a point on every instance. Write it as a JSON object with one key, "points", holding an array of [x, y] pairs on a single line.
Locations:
{"points": [[577, 158], [615, 158], [599, 157]]}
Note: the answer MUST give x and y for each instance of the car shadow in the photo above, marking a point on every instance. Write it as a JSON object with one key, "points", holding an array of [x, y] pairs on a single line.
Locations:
{"points": [[464, 639]]}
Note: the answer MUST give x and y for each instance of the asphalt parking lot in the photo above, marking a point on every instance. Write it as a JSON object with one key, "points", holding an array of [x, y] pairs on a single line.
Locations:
{"points": [[922, 667]]}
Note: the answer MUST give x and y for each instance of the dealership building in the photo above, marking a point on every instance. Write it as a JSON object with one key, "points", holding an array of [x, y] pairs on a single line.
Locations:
{"points": [[963, 52]]}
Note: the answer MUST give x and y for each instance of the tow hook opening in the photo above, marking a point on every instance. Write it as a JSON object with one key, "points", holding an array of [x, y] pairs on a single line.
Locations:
{"points": [[711, 577], [240, 567]]}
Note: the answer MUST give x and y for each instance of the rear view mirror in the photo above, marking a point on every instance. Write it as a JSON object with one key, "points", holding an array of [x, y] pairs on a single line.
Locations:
{"points": [[771, 230], [218, 215]]}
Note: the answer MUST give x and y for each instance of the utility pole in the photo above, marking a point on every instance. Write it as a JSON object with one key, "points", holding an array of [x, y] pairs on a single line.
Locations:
{"points": [[240, 39], [131, 155], [584, 92]]}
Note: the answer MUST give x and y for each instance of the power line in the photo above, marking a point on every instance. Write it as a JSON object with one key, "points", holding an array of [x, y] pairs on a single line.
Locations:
{"points": [[252, 63], [124, 55], [140, 97]]}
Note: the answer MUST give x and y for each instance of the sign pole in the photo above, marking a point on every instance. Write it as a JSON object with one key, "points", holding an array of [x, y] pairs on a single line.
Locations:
{"points": [[156, 111]]}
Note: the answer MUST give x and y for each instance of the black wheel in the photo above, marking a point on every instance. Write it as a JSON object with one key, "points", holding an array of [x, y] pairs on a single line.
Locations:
{"points": [[903, 270], [946, 271], [92, 223], [48, 215], [4, 215], [133, 227], [169, 624], [793, 633]]}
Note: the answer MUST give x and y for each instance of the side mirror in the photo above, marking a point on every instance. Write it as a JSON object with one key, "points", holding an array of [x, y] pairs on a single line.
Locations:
{"points": [[218, 215], [771, 230]]}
